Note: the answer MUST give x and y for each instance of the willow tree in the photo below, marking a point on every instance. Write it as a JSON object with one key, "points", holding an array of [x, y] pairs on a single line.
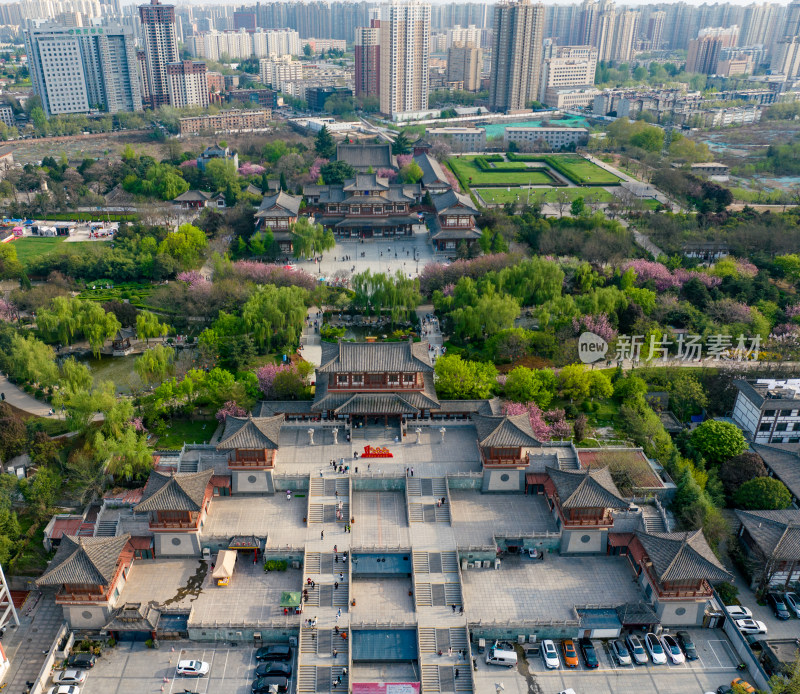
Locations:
{"points": [[274, 315]]}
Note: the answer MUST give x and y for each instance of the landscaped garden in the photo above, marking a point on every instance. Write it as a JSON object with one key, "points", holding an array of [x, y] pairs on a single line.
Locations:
{"points": [[501, 173], [500, 196]]}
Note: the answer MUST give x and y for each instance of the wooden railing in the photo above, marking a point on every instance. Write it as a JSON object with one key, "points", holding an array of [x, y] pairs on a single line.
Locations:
{"points": [[64, 595], [176, 525]]}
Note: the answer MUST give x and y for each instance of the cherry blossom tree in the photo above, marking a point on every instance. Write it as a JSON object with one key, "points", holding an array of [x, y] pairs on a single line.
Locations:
{"points": [[230, 408]]}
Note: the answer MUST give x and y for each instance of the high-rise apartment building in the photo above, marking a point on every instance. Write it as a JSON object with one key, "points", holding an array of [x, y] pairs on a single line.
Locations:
{"points": [[242, 44], [567, 66], [464, 62], [603, 38], [404, 34], [655, 29], [625, 29], [516, 55], [160, 48], [704, 51], [76, 70], [368, 60], [187, 84], [274, 72]]}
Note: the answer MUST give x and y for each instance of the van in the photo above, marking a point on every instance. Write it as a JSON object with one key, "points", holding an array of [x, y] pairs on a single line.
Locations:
{"points": [[497, 656]]}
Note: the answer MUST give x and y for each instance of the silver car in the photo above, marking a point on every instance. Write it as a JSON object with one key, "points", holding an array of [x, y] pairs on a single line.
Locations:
{"points": [[620, 652], [636, 649], [793, 603]]}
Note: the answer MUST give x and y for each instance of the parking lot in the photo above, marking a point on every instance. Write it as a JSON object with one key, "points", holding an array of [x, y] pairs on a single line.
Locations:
{"points": [[716, 665], [132, 668]]}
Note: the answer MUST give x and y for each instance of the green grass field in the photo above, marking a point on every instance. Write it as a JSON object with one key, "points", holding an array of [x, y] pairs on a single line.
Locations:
{"points": [[585, 171], [500, 196], [472, 175], [183, 430], [30, 248]]}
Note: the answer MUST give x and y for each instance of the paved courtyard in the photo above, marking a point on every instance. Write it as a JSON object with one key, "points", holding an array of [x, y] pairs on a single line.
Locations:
{"points": [[526, 589], [382, 600], [252, 598], [478, 518], [386, 524], [132, 668]]}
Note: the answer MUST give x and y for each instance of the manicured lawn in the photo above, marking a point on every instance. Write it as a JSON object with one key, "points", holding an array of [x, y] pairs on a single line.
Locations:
{"points": [[30, 248], [585, 171], [464, 168], [188, 431], [500, 196]]}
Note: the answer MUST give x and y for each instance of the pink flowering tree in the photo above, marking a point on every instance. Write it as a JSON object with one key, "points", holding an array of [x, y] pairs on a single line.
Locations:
{"points": [[266, 378], [663, 279], [403, 159], [314, 171], [793, 311], [451, 179], [249, 169], [8, 311], [192, 277], [541, 429], [438, 275], [559, 427], [597, 324], [138, 425], [230, 408], [189, 164], [729, 311], [391, 174], [269, 273], [786, 331]]}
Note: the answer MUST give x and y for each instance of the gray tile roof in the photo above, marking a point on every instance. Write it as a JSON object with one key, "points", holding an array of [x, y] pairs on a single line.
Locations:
{"points": [[374, 357], [590, 488], [366, 221], [366, 181], [180, 491], [432, 173], [135, 616], [682, 556], [445, 233], [636, 613], [501, 431], [193, 196], [363, 156], [269, 408], [451, 202], [84, 561], [785, 465], [251, 432], [385, 403], [279, 205], [776, 533]]}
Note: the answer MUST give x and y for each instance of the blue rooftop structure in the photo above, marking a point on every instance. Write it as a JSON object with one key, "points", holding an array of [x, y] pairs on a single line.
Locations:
{"points": [[384, 645], [381, 564]]}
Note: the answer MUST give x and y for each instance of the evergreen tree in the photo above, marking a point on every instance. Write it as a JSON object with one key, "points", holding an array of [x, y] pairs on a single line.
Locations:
{"points": [[324, 145], [401, 145], [284, 185]]}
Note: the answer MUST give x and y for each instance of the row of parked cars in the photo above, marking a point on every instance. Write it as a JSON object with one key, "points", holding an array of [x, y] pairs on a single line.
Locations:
{"points": [[272, 673], [629, 651], [783, 605], [68, 681]]}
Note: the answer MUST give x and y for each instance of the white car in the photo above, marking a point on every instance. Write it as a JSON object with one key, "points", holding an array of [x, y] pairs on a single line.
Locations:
{"points": [[550, 655], [64, 689], [672, 649], [655, 649], [739, 612], [750, 626], [70, 677], [193, 668]]}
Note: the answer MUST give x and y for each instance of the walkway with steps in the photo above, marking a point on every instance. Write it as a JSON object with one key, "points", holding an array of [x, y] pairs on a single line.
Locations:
{"points": [[653, 523], [106, 529], [324, 496], [424, 495]]}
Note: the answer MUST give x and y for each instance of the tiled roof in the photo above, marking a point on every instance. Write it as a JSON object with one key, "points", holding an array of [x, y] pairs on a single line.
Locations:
{"points": [[777, 533], [134, 616], [179, 491], [193, 196], [269, 408], [432, 172], [66, 526], [445, 233], [503, 431], [366, 181], [591, 488], [251, 432], [454, 203], [636, 613], [682, 556], [363, 156], [385, 403], [374, 357], [280, 204], [85, 561], [785, 465]]}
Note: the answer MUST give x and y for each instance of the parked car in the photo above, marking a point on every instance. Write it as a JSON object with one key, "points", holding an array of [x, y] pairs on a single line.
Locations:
{"points": [[70, 677], [267, 685], [672, 649], [750, 626], [64, 689], [655, 649], [276, 651], [589, 654], [569, 653], [778, 606], [272, 667], [620, 652], [550, 655], [689, 649], [724, 689], [745, 686], [193, 668], [739, 612], [793, 603], [84, 661], [636, 649]]}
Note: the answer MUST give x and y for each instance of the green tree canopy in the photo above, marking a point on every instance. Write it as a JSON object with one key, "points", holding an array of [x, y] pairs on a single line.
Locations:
{"points": [[718, 441], [310, 239], [185, 245], [275, 315], [222, 173], [324, 144], [460, 379], [336, 172], [763, 494], [401, 144], [531, 385], [148, 325]]}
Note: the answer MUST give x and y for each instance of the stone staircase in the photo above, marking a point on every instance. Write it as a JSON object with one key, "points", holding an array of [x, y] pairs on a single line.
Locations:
{"points": [[422, 497], [106, 529], [653, 523], [187, 466], [324, 496], [324, 571]]}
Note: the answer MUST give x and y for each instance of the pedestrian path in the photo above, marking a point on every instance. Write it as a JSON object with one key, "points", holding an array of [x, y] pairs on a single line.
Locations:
{"points": [[22, 401], [310, 341]]}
